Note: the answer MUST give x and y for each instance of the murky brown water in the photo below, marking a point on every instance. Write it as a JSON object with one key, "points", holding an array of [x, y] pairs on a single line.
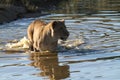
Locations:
{"points": [[97, 59]]}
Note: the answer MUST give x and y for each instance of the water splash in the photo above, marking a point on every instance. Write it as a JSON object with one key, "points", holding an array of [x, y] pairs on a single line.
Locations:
{"points": [[71, 44], [23, 43]]}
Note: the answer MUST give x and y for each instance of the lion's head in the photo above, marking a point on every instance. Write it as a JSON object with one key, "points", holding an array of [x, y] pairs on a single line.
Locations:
{"points": [[58, 30]]}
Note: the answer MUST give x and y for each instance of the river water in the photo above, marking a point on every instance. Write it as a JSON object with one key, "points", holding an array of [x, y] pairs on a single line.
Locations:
{"points": [[98, 58]]}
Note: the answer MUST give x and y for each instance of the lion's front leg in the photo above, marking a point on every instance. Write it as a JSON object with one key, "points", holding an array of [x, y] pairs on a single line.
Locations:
{"points": [[30, 37], [35, 47], [31, 47]]}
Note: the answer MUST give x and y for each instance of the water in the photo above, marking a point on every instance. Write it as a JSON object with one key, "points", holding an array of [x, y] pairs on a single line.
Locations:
{"points": [[97, 59]]}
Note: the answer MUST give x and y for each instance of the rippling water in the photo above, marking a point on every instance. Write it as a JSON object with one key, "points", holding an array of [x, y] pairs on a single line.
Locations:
{"points": [[97, 59]]}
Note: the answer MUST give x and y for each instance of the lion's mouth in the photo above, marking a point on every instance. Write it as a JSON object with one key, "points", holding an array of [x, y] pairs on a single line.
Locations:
{"points": [[63, 38]]}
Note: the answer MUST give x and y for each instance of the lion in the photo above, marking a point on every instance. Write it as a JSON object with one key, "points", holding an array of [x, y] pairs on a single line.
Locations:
{"points": [[44, 36]]}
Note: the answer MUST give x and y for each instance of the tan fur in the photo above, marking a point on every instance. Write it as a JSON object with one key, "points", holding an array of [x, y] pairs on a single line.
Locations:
{"points": [[43, 36]]}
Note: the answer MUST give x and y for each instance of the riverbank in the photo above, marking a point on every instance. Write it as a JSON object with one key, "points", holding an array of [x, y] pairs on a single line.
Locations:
{"points": [[11, 13], [14, 9]]}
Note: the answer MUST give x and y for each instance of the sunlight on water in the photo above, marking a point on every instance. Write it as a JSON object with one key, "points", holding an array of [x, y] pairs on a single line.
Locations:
{"points": [[90, 53]]}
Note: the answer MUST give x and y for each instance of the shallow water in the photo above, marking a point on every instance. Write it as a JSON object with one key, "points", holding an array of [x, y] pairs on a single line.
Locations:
{"points": [[97, 59]]}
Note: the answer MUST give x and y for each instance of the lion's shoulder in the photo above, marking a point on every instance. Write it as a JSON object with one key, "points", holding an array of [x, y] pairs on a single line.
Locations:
{"points": [[38, 21]]}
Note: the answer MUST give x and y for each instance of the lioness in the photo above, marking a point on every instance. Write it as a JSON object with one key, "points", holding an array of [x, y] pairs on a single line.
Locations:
{"points": [[44, 36]]}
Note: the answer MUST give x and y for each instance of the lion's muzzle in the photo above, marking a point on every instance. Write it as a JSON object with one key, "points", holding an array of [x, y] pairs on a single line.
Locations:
{"points": [[66, 35]]}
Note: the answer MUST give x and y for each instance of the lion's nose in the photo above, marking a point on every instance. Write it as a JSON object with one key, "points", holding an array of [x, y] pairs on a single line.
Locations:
{"points": [[67, 34]]}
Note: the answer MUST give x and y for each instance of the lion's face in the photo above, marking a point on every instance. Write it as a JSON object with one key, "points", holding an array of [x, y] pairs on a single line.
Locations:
{"points": [[59, 30]]}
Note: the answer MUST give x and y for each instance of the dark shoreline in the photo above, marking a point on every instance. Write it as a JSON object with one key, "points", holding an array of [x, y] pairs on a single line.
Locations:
{"points": [[11, 10], [8, 14]]}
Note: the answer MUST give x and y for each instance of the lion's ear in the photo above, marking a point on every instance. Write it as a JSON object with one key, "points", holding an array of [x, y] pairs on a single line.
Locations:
{"points": [[53, 26], [54, 23], [63, 20]]}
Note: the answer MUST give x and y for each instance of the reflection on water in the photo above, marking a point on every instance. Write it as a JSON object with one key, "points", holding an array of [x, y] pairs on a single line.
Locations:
{"points": [[49, 64]]}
